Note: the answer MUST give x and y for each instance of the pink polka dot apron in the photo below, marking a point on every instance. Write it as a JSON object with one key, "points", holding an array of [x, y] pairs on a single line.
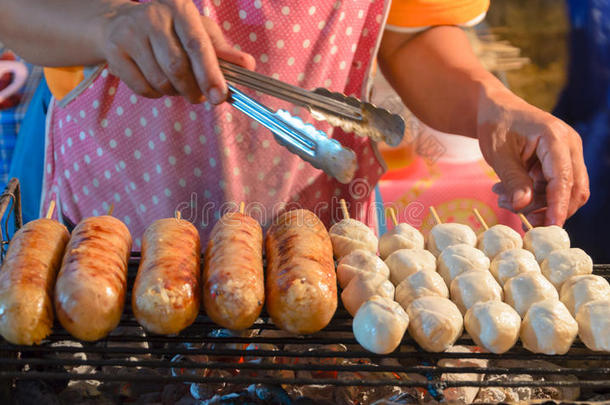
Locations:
{"points": [[150, 157]]}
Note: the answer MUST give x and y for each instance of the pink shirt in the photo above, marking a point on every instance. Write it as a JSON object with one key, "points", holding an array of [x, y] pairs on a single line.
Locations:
{"points": [[150, 157]]}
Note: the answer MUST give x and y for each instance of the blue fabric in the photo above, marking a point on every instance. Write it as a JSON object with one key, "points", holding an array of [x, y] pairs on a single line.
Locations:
{"points": [[585, 104], [28, 157]]}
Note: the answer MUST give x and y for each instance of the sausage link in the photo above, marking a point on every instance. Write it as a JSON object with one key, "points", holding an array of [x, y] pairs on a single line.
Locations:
{"points": [[233, 276], [27, 279], [301, 282], [166, 293], [90, 288]]}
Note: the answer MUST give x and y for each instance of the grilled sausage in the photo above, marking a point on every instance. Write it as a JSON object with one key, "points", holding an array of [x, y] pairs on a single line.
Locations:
{"points": [[27, 280], [301, 282], [90, 288], [166, 293], [233, 277]]}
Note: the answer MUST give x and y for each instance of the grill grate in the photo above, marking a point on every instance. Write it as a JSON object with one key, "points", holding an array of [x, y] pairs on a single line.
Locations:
{"points": [[130, 347], [267, 356]]}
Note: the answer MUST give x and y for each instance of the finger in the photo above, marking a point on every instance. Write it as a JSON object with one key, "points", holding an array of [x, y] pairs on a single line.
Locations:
{"points": [[556, 164], [223, 49], [580, 190], [144, 58], [123, 67], [200, 51], [536, 218], [516, 182]]}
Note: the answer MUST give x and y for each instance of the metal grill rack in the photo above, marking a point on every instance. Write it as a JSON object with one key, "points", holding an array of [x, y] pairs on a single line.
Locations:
{"points": [[264, 355]]}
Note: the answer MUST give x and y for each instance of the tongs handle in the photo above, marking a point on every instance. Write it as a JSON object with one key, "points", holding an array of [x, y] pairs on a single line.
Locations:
{"points": [[304, 140], [339, 110]]}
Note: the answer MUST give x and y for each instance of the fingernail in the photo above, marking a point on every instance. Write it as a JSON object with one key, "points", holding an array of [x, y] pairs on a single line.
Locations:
{"points": [[215, 95], [518, 195]]}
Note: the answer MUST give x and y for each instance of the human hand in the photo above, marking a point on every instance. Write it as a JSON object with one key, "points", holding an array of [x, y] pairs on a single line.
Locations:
{"points": [[165, 47], [538, 158]]}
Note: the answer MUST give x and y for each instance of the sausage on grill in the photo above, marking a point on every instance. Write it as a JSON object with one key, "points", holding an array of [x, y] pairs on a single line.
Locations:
{"points": [[233, 277], [301, 283], [90, 288], [27, 279], [166, 293]]}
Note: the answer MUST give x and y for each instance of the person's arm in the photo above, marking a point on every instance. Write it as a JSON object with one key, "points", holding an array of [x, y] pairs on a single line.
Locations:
{"points": [[441, 80], [163, 47]]}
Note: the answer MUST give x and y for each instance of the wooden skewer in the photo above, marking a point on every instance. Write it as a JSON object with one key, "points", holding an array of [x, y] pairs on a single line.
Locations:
{"points": [[392, 213], [435, 215], [480, 218], [110, 209], [344, 209], [525, 222], [242, 207], [178, 214], [50, 209]]}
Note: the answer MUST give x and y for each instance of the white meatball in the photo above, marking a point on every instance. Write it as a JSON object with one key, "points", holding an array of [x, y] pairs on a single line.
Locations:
{"points": [[405, 262], [402, 236], [493, 325], [444, 235], [521, 291], [360, 261], [364, 286], [513, 262], [434, 322], [562, 264], [349, 235], [578, 290], [594, 324], [548, 328], [460, 258], [420, 284], [541, 241], [380, 324], [474, 286], [498, 239]]}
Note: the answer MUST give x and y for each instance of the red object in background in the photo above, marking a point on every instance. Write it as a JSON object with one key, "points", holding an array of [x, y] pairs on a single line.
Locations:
{"points": [[5, 80]]}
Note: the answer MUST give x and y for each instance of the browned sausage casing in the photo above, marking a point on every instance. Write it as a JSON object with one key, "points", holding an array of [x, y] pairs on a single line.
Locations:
{"points": [[90, 288], [166, 293], [301, 280], [27, 279], [233, 276]]}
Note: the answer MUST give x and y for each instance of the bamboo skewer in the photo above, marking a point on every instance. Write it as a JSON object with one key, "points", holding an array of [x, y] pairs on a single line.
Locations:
{"points": [[50, 209], [527, 223], [178, 214], [344, 209], [110, 209], [480, 218], [392, 213], [242, 207], [435, 215]]}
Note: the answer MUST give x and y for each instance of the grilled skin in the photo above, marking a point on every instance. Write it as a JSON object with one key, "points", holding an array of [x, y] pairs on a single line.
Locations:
{"points": [[233, 276], [90, 288], [27, 279], [166, 293], [301, 282]]}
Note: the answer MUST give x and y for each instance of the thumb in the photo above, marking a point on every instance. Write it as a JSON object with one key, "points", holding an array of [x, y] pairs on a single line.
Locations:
{"points": [[516, 182]]}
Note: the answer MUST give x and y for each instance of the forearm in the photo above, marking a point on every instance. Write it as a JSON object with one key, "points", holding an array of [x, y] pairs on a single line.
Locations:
{"points": [[57, 32], [438, 77]]}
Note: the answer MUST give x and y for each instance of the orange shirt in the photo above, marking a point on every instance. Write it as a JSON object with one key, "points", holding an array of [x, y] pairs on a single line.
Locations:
{"points": [[405, 15]]}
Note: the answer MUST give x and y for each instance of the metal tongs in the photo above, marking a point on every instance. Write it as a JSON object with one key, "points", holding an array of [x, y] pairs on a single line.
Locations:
{"points": [[312, 145]]}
